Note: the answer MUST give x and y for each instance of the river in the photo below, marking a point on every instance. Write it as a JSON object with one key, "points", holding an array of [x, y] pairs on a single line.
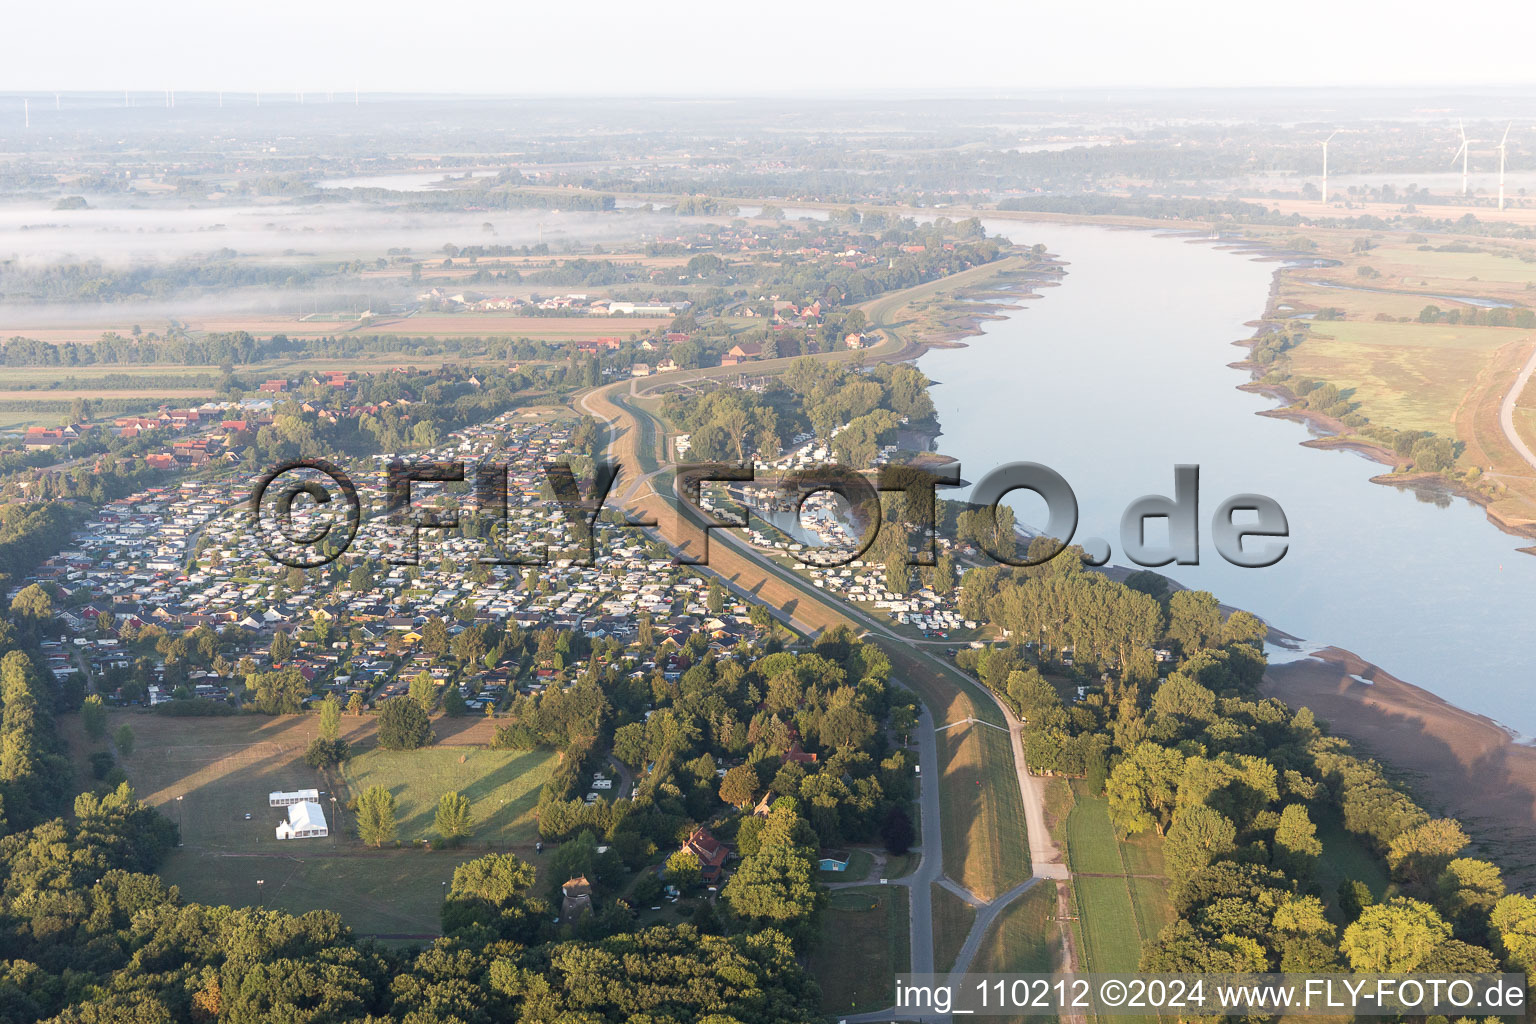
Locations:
{"points": [[1121, 372]]}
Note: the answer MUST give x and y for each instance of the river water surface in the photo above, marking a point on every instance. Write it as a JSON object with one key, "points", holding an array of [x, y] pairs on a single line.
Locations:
{"points": [[1121, 372]]}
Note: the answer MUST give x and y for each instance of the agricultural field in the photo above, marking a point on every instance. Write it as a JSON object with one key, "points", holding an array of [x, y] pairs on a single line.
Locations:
{"points": [[865, 943], [1301, 294], [441, 325], [224, 768], [1494, 270], [46, 381]]}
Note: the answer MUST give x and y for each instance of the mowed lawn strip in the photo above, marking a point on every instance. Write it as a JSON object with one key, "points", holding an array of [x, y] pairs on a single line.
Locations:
{"points": [[1111, 924], [865, 943], [1108, 923], [1091, 844]]}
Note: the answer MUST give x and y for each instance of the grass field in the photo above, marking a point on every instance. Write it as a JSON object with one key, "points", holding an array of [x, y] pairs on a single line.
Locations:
{"points": [[865, 943], [1357, 304], [385, 892], [224, 768], [502, 785], [952, 920], [1025, 939], [1407, 376], [986, 848], [1119, 888], [1346, 856], [1434, 271]]}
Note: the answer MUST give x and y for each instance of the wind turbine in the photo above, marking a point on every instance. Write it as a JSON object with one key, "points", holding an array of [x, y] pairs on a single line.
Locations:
{"points": [[1502, 141], [1325, 167], [1462, 152]]}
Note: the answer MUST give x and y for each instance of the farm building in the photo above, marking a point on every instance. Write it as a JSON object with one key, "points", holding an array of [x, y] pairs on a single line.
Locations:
{"points": [[305, 821]]}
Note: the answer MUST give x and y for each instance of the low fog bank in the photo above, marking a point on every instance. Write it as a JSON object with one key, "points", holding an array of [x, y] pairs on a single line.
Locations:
{"points": [[35, 234]]}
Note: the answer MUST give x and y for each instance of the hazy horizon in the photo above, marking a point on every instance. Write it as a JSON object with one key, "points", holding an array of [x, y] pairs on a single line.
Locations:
{"points": [[799, 48]]}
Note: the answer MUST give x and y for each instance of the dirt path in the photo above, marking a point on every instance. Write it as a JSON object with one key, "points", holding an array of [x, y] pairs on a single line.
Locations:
{"points": [[1507, 411]]}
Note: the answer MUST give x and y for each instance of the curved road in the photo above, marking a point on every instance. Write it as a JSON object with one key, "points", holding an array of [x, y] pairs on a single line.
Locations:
{"points": [[1046, 860], [1507, 411]]}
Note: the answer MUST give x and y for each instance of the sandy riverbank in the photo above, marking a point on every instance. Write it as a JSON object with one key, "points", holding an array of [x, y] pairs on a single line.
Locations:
{"points": [[1459, 764]]}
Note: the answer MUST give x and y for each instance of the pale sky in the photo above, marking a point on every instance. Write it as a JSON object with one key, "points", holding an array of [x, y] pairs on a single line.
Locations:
{"points": [[686, 47]]}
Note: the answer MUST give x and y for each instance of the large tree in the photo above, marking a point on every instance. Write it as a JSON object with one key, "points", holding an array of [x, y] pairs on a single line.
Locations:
{"points": [[1197, 836], [739, 787], [125, 740], [776, 887], [376, 815], [32, 605], [93, 715], [330, 717], [1396, 937], [454, 820], [492, 892], [1142, 788], [683, 869], [403, 725], [281, 692], [424, 691]]}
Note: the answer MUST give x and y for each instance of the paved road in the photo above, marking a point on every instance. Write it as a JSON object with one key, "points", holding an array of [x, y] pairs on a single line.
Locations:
{"points": [[1045, 858], [625, 781], [931, 868], [1507, 411]]}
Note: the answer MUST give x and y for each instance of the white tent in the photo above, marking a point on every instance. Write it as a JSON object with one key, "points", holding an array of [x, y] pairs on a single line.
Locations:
{"points": [[305, 821], [280, 798]]}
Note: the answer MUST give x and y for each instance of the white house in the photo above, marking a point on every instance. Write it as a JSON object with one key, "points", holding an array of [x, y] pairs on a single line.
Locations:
{"points": [[298, 796], [305, 821]]}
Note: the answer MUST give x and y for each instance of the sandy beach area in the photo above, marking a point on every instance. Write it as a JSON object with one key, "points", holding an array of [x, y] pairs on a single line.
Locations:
{"points": [[1458, 764]]}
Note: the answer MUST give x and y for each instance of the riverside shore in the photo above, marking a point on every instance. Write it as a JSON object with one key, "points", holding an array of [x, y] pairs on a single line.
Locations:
{"points": [[1459, 764], [1456, 762]]}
